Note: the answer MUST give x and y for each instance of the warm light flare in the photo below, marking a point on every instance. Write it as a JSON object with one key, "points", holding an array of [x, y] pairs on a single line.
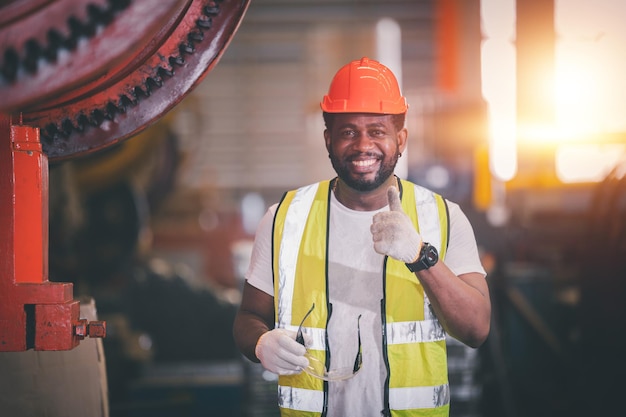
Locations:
{"points": [[587, 88], [585, 163], [502, 148], [581, 100], [498, 89], [551, 134], [590, 87]]}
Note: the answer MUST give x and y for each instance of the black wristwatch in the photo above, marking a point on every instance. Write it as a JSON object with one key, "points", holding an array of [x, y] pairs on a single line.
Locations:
{"points": [[428, 257]]}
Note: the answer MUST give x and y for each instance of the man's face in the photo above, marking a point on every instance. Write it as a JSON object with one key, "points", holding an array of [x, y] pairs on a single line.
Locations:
{"points": [[364, 148]]}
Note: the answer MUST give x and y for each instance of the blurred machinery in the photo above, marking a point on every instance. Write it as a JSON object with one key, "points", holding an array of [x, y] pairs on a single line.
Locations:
{"points": [[77, 77], [556, 347]]}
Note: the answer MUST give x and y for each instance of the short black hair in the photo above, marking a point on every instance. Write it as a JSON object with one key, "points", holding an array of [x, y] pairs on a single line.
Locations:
{"points": [[398, 120]]}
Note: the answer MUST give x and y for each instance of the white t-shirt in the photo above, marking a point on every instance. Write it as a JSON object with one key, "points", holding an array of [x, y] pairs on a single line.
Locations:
{"points": [[355, 288]]}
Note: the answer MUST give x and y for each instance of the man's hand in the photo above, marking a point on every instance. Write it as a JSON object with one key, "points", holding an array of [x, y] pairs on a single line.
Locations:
{"points": [[279, 352], [393, 232]]}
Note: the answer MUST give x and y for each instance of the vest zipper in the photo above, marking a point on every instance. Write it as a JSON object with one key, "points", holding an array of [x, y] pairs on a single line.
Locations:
{"points": [[329, 306], [325, 408], [386, 412]]}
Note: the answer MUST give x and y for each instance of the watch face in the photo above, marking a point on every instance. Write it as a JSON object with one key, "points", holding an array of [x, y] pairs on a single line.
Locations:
{"points": [[428, 257], [431, 255]]}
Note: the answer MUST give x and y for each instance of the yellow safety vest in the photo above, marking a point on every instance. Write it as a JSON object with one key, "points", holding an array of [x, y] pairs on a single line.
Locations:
{"points": [[414, 345]]}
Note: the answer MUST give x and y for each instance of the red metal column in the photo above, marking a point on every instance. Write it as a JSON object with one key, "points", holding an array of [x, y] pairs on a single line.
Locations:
{"points": [[34, 313]]}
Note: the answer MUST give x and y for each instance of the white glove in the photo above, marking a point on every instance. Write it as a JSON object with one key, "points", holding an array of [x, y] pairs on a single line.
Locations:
{"points": [[279, 352], [393, 232]]}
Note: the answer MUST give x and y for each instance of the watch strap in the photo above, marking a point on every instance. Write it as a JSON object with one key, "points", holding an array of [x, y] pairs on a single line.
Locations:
{"points": [[423, 262]]}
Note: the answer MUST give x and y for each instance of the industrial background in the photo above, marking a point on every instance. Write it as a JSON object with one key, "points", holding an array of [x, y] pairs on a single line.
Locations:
{"points": [[141, 142]]}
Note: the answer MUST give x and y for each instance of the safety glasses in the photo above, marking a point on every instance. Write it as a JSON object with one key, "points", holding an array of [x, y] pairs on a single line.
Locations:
{"points": [[317, 369]]}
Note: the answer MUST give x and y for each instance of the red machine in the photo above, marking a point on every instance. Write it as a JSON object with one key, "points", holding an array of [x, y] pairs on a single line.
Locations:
{"points": [[76, 77]]}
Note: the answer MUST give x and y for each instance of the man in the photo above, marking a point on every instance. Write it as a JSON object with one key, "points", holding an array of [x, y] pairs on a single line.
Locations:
{"points": [[354, 282]]}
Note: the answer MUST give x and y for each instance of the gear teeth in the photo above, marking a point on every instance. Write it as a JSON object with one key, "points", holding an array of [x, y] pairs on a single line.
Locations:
{"points": [[117, 5], [50, 133], [211, 10], [139, 92], [67, 127], [97, 117], [98, 15], [55, 38], [163, 72], [154, 82], [10, 64], [55, 42], [125, 102], [186, 48], [77, 30], [81, 122], [147, 88], [110, 110], [33, 52], [204, 22], [195, 36], [176, 61]]}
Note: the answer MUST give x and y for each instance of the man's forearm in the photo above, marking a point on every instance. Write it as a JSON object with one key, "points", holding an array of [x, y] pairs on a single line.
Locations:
{"points": [[247, 329], [461, 304]]}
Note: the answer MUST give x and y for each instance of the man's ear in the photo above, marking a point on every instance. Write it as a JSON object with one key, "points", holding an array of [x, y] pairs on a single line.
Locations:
{"points": [[327, 139], [403, 135]]}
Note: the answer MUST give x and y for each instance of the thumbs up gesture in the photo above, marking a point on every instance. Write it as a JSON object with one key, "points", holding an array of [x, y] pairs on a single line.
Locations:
{"points": [[393, 232]]}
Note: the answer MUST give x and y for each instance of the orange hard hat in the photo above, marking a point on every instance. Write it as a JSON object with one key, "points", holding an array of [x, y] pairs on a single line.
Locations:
{"points": [[364, 86]]}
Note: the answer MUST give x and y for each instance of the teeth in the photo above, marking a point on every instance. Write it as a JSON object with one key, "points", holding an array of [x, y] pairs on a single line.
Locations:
{"points": [[364, 163]]}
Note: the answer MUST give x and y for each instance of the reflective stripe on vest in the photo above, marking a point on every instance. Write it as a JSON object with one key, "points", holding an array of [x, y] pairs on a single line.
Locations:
{"points": [[414, 338], [300, 399]]}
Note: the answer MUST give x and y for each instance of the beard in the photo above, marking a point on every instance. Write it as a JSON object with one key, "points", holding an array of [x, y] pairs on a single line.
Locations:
{"points": [[360, 183]]}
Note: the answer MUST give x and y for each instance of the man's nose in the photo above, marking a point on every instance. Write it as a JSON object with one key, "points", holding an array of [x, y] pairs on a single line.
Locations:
{"points": [[363, 142]]}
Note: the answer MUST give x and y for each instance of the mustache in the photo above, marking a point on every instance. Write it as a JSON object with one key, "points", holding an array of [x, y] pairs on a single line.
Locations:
{"points": [[360, 155]]}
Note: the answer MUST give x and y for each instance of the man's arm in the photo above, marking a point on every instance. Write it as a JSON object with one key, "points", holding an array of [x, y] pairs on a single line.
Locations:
{"points": [[254, 318], [461, 303]]}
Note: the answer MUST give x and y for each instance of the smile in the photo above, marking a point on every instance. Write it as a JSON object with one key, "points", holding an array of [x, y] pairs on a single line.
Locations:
{"points": [[365, 163]]}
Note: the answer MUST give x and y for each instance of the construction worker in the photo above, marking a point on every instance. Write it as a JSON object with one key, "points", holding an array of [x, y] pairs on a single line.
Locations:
{"points": [[354, 282]]}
